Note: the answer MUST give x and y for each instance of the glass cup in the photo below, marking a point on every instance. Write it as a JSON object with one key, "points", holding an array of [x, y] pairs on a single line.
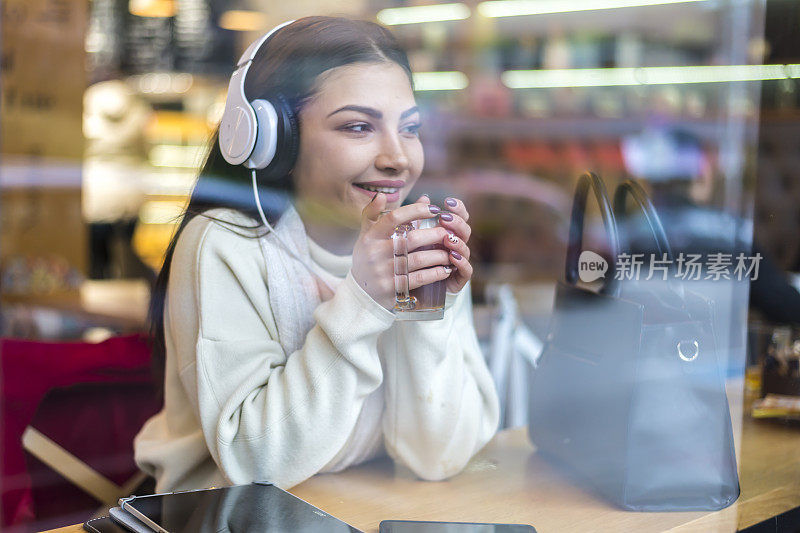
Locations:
{"points": [[425, 302]]}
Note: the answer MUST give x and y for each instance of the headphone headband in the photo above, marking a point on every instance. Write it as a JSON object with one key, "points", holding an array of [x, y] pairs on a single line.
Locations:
{"points": [[252, 50]]}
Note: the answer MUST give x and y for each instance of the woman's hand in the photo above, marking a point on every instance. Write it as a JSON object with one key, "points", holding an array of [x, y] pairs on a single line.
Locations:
{"points": [[373, 256], [458, 233]]}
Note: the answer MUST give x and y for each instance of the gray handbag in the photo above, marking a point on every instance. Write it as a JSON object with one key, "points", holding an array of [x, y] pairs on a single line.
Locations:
{"points": [[628, 391]]}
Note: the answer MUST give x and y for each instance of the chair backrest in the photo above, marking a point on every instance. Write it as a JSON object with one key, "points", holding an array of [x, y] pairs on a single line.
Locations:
{"points": [[513, 348], [64, 390]]}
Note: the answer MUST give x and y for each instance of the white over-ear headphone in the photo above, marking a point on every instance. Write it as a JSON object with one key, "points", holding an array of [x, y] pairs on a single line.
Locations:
{"points": [[260, 134]]}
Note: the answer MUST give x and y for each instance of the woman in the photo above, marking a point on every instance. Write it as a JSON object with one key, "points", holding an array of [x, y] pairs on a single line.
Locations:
{"points": [[276, 374]]}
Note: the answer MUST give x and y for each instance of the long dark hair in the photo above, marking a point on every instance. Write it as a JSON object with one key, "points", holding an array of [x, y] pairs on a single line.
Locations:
{"points": [[289, 64]]}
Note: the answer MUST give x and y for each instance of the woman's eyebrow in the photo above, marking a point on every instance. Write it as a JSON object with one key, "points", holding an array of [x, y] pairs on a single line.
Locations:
{"points": [[374, 113], [409, 112]]}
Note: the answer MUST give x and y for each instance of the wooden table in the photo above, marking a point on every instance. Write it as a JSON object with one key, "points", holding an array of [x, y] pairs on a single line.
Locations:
{"points": [[508, 482]]}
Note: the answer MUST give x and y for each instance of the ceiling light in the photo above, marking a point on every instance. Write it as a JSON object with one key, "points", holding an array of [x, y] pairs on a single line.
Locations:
{"points": [[152, 8], [514, 8], [606, 77], [241, 20], [440, 81], [420, 14]]}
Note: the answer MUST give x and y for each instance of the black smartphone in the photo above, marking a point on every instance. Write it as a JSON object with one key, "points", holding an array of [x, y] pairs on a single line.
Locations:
{"points": [[241, 508], [413, 526]]}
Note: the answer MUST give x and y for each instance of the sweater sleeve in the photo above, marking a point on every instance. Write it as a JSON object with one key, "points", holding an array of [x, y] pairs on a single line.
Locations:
{"points": [[441, 403], [267, 415]]}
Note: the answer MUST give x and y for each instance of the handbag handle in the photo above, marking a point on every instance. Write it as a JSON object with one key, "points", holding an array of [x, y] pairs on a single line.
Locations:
{"points": [[633, 189], [587, 181]]}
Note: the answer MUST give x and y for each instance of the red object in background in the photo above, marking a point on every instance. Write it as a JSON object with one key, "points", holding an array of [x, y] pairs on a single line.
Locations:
{"points": [[609, 158], [547, 160], [540, 157], [516, 153], [534, 156], [31, 369], [576, 157]]}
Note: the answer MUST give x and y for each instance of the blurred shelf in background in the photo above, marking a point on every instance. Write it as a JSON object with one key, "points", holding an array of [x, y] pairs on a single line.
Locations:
{"points": [[120, 305]]}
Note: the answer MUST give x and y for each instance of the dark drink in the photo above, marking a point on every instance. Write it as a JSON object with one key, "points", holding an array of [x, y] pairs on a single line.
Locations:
{"points": [[422, 303], [430, 297]]}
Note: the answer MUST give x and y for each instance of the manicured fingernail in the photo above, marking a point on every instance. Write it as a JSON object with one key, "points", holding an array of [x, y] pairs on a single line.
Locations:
{"points": [[456, 255], [435, 209], [448, 269], [452, 238], [424, 196], [452, 202], [447, 217]]}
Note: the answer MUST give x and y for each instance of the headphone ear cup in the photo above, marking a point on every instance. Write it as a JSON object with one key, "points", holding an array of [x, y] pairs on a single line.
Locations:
{"points": [[288, 140], [266, 134]]}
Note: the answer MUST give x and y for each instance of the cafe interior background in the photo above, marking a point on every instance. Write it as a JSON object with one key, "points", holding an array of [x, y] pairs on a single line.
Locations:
{"points": [[108, 105]]}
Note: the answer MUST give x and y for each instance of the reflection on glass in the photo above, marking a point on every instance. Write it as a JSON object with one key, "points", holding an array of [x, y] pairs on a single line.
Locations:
{"points": [[237, 509]]}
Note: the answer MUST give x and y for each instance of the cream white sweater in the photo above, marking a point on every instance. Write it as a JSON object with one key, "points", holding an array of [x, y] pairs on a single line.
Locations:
{"points": [[237, 408]]}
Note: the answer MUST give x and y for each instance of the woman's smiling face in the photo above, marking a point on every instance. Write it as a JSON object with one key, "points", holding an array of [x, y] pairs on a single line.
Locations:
{"points": [[358, 132]]}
